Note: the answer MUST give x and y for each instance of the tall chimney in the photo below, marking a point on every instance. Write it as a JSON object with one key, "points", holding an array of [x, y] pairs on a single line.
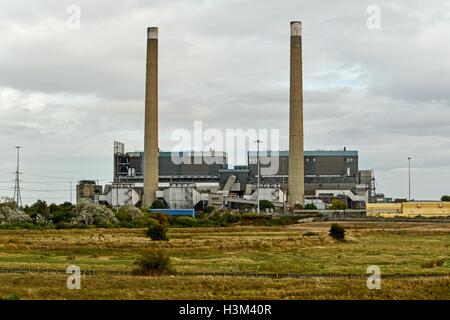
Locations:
{"points": [[151, 120], [296, 191]]}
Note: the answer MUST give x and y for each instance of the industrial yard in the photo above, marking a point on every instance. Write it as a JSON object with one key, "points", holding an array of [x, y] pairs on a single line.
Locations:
{"points": [[240, 262]]}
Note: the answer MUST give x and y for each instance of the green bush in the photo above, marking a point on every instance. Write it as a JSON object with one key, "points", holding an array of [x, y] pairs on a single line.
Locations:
{"points": [[153, 263], [158, 204], [298, 206], [337, 204], [445, 198], [266, 204], [157, 233], [208, 209], [337, 231], [310, 206], [183, 222], [129, 216]]}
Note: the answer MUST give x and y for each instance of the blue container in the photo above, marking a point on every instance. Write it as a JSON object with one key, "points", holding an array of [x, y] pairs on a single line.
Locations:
{"points": [[175, 212]]}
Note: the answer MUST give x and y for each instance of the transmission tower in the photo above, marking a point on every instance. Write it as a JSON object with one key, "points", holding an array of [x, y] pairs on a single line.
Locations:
{"points": [[17, 196]]}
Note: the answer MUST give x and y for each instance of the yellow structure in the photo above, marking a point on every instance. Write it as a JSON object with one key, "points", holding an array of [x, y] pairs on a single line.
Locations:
{"points": [[383, 209], [426, 209], [409, 209]]}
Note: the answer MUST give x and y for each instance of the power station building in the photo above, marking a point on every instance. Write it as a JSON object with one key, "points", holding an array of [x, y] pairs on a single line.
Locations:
{"points": [[328, 174], [193, 179]]}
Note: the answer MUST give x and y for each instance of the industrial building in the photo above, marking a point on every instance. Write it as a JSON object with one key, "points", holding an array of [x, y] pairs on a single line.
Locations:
{"points": [[328, 174], [197, 179], [88, 190]]}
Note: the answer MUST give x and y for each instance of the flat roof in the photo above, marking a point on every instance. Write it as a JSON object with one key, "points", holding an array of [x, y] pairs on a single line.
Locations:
{"points": [[234, 170], [308, 153]]}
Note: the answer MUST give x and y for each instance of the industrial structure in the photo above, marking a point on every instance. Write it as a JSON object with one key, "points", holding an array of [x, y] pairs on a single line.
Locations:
{"points": [[285, 178], [296, 190], [151, 119], [204, 178]]}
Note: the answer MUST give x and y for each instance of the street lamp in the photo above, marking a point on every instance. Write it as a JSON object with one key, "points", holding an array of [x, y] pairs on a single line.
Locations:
{"points": [[409, 178], [257, 185]]}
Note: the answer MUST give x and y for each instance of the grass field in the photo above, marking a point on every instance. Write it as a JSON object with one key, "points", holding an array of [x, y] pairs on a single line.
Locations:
{"points": [[397, 248]]}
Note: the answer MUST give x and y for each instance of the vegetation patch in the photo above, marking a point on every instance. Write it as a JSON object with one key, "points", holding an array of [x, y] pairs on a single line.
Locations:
{"points": [[337, 232], [153, 263]]}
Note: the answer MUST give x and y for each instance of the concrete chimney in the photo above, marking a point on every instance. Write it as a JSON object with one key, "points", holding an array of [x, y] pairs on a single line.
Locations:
{"points": [[296, 191], [151, 120]]}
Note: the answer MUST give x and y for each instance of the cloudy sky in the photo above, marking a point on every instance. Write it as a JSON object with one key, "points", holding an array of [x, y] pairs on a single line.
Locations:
{"points": [[66, 94]]}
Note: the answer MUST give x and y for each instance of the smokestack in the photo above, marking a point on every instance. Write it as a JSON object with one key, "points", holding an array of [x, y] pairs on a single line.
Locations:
{"points": [[151, 120], [296, 191]]}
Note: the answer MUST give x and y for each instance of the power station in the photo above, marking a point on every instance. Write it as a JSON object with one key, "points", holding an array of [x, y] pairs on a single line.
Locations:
{"points": [[301, 176]]}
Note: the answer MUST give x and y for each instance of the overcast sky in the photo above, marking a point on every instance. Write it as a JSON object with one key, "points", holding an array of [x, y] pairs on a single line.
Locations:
{"points": [[66, 94]]}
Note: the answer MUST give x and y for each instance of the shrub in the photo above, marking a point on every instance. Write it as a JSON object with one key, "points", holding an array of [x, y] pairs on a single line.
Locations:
{"points": [[266, 204], [153, 263], [337, 204], [310, 206], [158, 204], [310, 234], [90, 214], [223, 219], [298, 206], [128, 215], [144, 221], [433, 263], [337, 231], [62, 216], [208, 209], [183, 222], [157, 233], [9, 214], [445, 198]]}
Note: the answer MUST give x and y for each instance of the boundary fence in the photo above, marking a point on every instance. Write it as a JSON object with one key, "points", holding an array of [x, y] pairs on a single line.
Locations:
{"points": [[233, 274]]}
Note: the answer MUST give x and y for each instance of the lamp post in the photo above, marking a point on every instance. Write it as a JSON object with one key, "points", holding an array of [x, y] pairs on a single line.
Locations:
{"points": [[409, 178], [257, 185]]}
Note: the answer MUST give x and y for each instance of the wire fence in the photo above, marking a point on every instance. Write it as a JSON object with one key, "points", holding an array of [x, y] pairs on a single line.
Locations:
{"points": [[92, 272]]}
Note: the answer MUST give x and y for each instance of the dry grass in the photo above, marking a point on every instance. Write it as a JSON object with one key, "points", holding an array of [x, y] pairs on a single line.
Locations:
{"points": [[168, 287], [303, 248]]}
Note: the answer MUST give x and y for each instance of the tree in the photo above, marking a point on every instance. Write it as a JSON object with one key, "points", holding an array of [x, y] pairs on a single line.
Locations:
{"points": [[266, 204], [62, 213], [337, 204], [158, 204], [310, 206], [39, 207], [445, 198], [337, 231]]}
